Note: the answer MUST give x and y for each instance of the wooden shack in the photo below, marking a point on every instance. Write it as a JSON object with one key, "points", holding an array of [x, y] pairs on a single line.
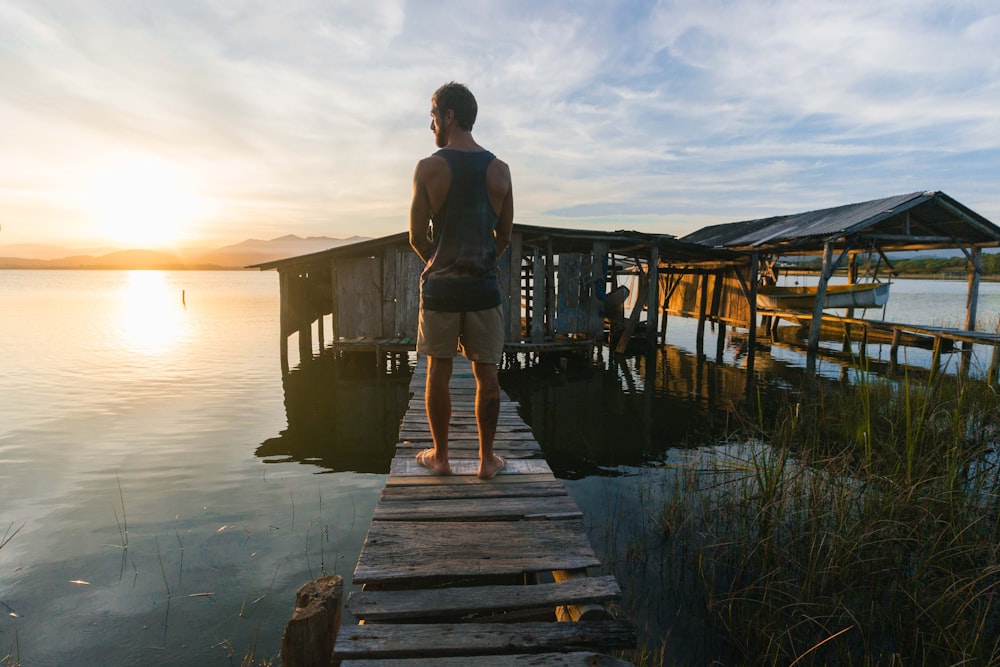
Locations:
{"points": [[917, 221], [556, 283]]}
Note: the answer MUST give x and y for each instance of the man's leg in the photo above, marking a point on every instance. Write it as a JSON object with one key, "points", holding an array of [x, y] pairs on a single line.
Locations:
{"points": [[487, 413], [437, 400]]}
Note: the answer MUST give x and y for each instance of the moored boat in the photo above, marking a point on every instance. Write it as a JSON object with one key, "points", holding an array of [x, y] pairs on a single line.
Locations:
{"points": [[863, 295]]}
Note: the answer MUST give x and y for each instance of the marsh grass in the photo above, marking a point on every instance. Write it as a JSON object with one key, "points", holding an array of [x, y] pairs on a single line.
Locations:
{"points": [[859, 528], [12, 658]]}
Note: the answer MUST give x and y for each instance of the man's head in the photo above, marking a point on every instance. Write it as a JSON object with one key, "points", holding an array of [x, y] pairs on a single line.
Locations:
{"points": [[457, 98]]}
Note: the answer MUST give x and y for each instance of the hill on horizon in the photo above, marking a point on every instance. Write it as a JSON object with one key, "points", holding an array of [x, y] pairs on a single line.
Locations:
{"points": [[235, 256]]}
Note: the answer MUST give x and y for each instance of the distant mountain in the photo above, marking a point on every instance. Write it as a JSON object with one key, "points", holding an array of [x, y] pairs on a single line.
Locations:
{"points": [[255, 251], [237, 256], [40, 251]]}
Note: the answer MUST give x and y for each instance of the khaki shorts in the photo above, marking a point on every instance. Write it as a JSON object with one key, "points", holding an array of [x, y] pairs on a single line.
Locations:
{"points": [[478, 334]]}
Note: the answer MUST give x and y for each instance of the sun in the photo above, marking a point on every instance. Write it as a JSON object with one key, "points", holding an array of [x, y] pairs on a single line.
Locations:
{"points": [[143, 203]]}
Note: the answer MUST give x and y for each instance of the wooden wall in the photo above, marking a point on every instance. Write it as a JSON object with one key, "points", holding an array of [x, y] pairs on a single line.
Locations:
{"points": [[377, 296]]}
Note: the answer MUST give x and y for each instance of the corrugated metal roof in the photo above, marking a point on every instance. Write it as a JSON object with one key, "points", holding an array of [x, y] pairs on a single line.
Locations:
{"points": [[919, 219], [671, 250]]}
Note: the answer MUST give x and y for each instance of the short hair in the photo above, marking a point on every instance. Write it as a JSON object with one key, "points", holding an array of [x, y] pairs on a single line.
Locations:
{"points": [[458, 98]]}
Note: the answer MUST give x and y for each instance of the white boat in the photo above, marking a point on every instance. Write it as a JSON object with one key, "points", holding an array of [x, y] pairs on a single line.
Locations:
{"points": [[863, 295]]}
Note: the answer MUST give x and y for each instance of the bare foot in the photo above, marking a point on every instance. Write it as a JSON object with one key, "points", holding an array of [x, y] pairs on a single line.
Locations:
{"points": [[427, 459], [489, 469]]}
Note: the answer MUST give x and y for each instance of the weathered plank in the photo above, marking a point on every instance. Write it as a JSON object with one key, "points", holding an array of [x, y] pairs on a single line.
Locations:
{"points": [[374, 606], [424, 436], [420, 419], [443, 640], [407, 466], [476, 509], [504, 424], [546, 488], [401, 550], [575, 659], [463, 480], [469, 449], [523, 445]]}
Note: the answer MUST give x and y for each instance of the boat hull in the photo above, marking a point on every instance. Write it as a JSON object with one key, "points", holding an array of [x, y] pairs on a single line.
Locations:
{"points": [[868, 295]]}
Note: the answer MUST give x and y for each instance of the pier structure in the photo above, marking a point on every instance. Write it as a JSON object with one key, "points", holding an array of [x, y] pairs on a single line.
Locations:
{"points": [[564, 291], [461, 571], [567, 291], [918, 221]]}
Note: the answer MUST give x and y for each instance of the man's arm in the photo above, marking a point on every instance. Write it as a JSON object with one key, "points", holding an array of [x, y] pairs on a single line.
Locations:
{"points": [[505, 218], [420, 214]]}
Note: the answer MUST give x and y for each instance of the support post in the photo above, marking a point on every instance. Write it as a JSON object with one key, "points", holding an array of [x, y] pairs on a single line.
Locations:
{"points": [[550, 290], [311, 633], [514, 289], [971, 305], [702, 307], [752, 327], [812, 346], [283, 316], [538, 297], [894, 349], [653, 300]]}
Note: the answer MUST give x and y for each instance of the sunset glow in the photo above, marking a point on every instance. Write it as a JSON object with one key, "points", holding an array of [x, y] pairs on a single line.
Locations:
{"points": [[143, 203], [186, 123], [151, 314]]}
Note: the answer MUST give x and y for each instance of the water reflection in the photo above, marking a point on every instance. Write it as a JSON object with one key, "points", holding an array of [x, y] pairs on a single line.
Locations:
{"points": [[150, 314], [632, 411], [627, 412], [342, 415]]}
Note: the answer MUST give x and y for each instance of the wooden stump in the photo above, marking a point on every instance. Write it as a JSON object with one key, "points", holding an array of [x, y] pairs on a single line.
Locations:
{"points": [[312, 631]]}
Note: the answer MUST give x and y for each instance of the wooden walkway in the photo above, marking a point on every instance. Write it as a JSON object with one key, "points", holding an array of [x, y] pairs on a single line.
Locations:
{"points": [[457, 571]]}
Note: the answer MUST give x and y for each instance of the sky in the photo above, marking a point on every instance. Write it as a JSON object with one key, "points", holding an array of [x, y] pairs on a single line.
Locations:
{"points": [[206, 122]]}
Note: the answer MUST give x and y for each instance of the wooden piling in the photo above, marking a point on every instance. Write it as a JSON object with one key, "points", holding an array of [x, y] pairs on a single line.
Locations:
{"points": [[311, 633]]}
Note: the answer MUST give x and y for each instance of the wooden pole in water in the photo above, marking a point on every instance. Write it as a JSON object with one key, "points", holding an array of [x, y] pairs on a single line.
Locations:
{"points": [[812, 346], [971, 304], [653, 300], [283, 310], [720, 340], [702, 307], [311, 633], [752, 326]]}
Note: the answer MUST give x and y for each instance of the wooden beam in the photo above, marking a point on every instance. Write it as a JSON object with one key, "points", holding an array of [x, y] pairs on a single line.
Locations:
{"points": [[378, 606], [971, 305], [653, 301], [428, 640], [812, 346]]}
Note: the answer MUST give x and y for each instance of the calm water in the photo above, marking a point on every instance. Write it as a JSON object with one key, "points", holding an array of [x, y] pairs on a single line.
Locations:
{"points": [[126, 406]]}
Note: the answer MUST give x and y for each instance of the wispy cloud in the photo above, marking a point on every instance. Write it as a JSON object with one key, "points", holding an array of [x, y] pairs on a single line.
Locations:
{"points": [[308, 117]]}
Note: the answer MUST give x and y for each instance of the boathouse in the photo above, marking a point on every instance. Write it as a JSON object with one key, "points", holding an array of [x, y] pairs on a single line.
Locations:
{"points": [[843, 234], [564, 291]]}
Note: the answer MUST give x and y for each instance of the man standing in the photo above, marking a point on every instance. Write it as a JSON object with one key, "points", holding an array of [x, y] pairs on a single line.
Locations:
{"points": [[460, 222]]}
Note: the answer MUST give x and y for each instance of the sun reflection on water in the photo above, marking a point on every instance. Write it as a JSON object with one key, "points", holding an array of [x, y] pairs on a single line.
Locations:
{"points": [[152, 321]]}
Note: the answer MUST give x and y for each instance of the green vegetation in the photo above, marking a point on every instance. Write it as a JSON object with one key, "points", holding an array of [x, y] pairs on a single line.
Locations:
{"points": [[927, 266], [859, 528]]}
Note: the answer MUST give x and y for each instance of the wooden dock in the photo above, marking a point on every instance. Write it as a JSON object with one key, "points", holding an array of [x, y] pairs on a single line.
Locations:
{"points": [[458, 571]]}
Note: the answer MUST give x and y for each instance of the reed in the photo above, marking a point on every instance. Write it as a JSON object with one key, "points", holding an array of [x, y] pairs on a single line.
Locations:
{"points": [[858, 528]]}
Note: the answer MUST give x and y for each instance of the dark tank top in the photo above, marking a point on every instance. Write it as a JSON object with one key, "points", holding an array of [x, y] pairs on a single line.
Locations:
{"points": [[461, 274]]}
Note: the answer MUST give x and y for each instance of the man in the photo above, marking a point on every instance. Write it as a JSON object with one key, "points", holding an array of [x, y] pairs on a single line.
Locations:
{"points": [[460, 222]]}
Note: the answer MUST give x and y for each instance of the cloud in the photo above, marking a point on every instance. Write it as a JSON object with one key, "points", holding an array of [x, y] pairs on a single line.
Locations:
{"points": [[308, 117]]}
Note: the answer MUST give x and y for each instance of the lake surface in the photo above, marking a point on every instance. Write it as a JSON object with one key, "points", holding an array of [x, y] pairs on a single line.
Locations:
{"points": [[170, 489]]}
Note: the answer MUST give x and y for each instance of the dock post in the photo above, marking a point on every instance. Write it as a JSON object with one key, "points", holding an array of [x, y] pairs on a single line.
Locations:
{"points": [[975, 257], [894, 348], [653, 299], [812, 346], [994, 372], [702, 308], [312, 631]]}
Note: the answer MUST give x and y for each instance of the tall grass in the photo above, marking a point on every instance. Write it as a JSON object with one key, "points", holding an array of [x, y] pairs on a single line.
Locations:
{"points": [[859, 528]]}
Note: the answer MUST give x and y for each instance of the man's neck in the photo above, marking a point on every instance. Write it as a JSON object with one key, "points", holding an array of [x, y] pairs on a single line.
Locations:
{"points": [[463, 141]]}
